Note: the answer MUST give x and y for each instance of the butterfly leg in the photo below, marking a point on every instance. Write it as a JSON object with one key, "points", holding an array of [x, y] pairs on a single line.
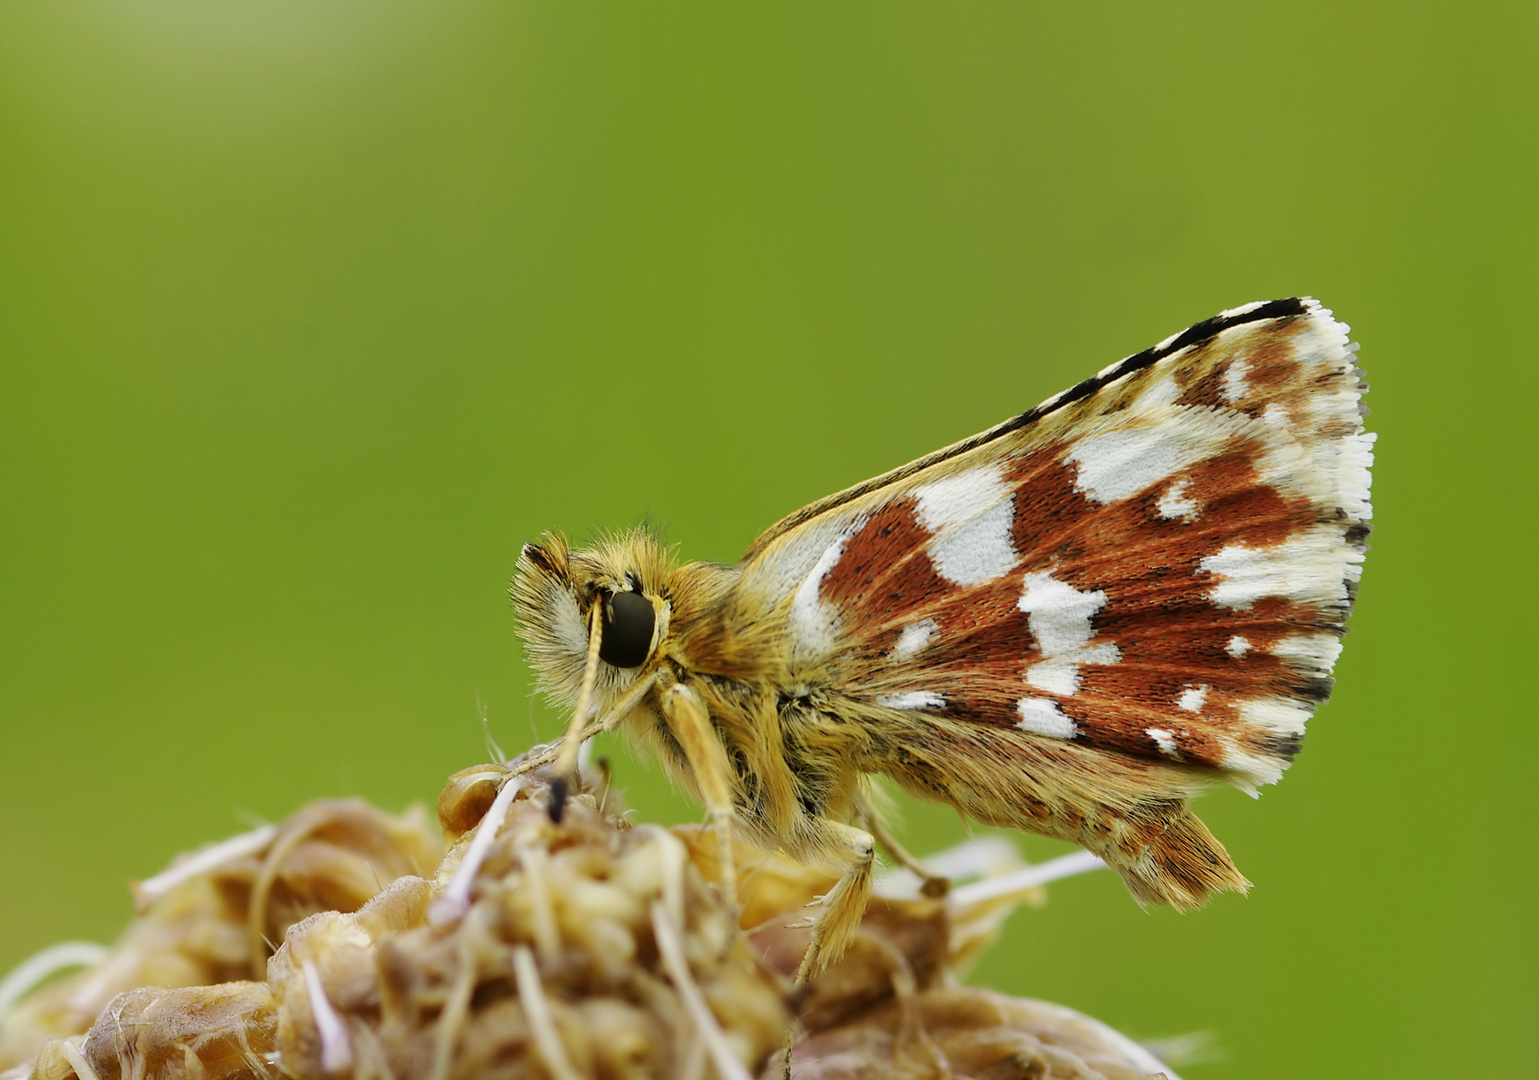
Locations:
{"points": [[931, 883], [843, 906], [690, 722]]}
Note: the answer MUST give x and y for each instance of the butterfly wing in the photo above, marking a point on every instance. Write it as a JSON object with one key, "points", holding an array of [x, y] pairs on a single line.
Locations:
{"points": [[1156, 563]]}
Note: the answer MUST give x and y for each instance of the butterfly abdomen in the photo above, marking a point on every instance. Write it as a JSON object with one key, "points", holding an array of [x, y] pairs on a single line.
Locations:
{"points": [[1166, 855]]}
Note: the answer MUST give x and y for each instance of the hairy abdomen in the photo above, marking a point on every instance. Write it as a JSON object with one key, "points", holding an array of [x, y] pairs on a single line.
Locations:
{"points": [[1134, 814]]}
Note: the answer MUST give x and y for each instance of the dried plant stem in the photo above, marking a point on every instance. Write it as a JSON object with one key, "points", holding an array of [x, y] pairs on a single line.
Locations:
{"points": [[1014, 886], [203, 862], [41, 966], [670, 947], [77, 1060], [455, 900], [336, 1047], [542, 1025], [451, 1022], [547, 934]]}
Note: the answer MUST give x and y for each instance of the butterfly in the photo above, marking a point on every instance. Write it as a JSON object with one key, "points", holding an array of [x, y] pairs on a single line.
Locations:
{"points": [[1070, 623]]}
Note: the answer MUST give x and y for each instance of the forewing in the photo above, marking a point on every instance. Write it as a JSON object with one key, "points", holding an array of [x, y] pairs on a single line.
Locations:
{"points": [[1157, 562]]}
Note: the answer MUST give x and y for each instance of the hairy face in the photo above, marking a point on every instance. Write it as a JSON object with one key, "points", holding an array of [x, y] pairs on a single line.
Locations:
{"points": [[620, 583]]}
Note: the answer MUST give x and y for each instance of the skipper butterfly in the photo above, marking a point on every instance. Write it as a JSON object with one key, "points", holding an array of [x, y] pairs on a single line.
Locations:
{"points": [[1070, 623]]}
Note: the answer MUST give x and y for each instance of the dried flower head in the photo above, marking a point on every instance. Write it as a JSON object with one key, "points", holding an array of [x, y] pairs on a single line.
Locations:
{"points": [[217, 914], [588, 948]]}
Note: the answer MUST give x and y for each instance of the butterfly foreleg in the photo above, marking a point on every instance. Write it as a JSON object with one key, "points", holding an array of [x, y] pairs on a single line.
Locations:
{"points": [[689, 721]]}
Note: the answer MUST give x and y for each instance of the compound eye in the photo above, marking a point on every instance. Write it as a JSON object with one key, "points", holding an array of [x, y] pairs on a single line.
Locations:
{"points": [[627, 632]]}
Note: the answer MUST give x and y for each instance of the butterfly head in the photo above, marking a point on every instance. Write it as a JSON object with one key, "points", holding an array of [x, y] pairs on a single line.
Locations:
{"points": [[618, 586]]}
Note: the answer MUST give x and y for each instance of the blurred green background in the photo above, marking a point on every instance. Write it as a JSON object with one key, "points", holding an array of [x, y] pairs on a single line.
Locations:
{"points": [[312, 311]]}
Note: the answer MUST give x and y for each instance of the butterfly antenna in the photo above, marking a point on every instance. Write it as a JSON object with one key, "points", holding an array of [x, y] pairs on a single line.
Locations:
{"points": [[566, 764]]}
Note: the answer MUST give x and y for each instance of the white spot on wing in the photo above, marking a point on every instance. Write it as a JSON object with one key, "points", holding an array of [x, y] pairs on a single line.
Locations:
{"points": [[970, 514], [1165, 740], [1042, 717], [1060, 617], [1059, 614], [1322, 650], [1354, 457], [1247, 769], [958, 497], [1276, 716], [812, 621], [1308, 567], [1280, 716], [1235, 386], [1119, 464], [1175, 504], [977, 550], [914, 699], [1237, 647], [914, 637], [1158, 394], [1192, 698], [1059, 677]]}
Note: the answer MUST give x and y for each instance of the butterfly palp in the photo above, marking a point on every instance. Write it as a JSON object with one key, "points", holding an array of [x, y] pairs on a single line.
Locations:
{"points": [[566, 764]]}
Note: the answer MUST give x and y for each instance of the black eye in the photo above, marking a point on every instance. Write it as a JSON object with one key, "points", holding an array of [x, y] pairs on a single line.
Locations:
{"points": [[628, 619]]}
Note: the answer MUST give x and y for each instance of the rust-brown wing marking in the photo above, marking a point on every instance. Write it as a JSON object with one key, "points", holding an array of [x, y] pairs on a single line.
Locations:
{"points": [[1157, 562]]}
